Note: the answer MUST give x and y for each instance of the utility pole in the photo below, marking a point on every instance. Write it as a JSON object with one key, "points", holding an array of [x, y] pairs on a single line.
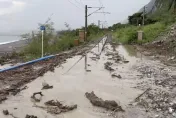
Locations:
{"points": [[143, 16], [42, 42], [42, 28], [85, 32], [137, 22], [85, 35], [87, 15]]}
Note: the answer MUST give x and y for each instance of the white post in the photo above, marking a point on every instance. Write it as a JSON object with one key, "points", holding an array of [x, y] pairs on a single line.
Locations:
{"points": [[42, 42], [86, 61], [98, 47]]}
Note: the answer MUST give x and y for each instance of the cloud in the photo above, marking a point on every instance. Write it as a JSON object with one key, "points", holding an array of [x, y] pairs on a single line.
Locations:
{"points": [[11, 6]]}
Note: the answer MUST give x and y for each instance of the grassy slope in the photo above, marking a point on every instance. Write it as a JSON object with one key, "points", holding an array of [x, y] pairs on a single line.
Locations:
{"points": [[164, 17]]}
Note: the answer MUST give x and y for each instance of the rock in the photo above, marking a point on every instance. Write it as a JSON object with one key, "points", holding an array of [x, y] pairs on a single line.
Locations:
{"points": [[126, 61], [46, 86], [118, 76], [174, 114], [30, 116], [172, 28], [170, 110], [173, 57], [6, 112], [156, 116], [88, 70], [88, 65]]}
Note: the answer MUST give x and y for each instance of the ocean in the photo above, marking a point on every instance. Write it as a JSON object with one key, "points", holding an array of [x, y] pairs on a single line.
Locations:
{"points": [[9, 39]]}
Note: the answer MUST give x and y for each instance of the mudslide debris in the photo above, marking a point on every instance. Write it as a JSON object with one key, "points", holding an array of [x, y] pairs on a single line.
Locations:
{"points": [[115, 57], [126, 61], [108, 104], [117, 76], [108, 67], [142, 94], [56, 107], [35, 98], [46, 86], [30, 116], [159, 101], [16, 91], [6, 113]]}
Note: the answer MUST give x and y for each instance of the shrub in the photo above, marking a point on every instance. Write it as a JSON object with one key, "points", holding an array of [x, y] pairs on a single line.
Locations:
{"points": [[129, 34], [152, 31]]}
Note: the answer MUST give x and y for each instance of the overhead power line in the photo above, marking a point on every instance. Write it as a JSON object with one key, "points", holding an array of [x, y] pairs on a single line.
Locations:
{"points": [[79, 3], [74, 4], [94, 11], [104, 13], [100, 3]]}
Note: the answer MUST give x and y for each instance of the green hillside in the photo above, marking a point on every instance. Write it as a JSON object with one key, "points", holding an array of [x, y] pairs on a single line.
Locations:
{"points": [[163, 10], [159, 16]]}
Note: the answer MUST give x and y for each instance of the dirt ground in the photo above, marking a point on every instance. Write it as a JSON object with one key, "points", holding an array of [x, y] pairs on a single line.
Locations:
{"points": [[125, 84]]}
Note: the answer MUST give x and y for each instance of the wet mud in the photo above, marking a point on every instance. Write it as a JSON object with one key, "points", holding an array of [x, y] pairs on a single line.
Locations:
{"points": [[13, 80], [99, 102], [141, 86]]}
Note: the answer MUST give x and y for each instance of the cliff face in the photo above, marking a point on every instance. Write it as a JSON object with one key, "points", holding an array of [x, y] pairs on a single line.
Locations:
{"points": [[155, 5], [149, 7]]}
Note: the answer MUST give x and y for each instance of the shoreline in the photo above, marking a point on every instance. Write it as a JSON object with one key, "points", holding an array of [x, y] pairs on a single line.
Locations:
{"points": [[7, 48], [9, 42]]}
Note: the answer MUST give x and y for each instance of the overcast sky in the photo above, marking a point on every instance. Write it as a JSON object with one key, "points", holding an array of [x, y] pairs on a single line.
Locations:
{"points": [[24, 15]]}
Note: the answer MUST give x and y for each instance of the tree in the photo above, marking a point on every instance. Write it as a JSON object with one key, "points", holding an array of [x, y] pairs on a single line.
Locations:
{"points": [[92, 29], [117, 26], [172, 3], [136, 18]]}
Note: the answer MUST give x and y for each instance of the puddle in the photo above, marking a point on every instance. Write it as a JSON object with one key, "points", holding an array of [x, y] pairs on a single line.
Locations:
{"points": [[70, 87]]}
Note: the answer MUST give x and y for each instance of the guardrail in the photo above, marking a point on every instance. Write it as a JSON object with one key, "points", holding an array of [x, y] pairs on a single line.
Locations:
{"points": [[27, 63]]}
